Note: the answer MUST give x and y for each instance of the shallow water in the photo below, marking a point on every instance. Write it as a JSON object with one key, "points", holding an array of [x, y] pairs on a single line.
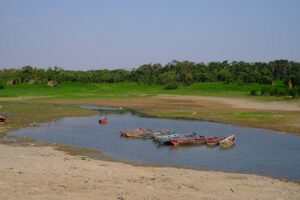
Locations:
{"points": [[257, 151]]}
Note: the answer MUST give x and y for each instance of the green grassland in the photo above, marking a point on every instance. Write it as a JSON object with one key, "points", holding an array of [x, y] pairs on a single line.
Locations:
{"points": [[68, 90]]}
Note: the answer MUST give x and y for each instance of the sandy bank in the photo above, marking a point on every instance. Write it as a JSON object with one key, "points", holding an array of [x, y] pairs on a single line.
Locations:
{"points": [[45, 173], [238, 102]]}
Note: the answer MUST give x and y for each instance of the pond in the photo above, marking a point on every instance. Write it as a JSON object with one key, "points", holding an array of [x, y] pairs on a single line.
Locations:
{"points": [[257, 151]]}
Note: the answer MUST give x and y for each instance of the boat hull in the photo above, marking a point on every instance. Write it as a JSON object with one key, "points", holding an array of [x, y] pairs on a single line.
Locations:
{"points": [[103, 121], [188, 141], [228, 142]]}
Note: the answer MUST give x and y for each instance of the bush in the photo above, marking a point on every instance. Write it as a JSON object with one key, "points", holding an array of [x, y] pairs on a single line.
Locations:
{"points": [[292, 92], [2, 86], [253, 92], [282, 92], [171, 86], [295, 92], [298, 90], [274, 92], [265, 91]]}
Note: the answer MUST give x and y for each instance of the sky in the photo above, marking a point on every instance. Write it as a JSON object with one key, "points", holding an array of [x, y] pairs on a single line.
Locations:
{"points": [[98, 34]]}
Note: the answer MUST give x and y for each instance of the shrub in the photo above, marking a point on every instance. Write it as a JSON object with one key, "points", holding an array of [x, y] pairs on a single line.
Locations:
{"points": [[292, 92], [274, 92], [295, 92], [171, 86], [253, 92], [265, 91], [281, 92], [2, 86], [298, 90]]}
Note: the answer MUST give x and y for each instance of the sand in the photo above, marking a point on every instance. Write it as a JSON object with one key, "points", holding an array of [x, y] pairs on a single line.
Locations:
{"points": [[239, 102], [44, 173]]}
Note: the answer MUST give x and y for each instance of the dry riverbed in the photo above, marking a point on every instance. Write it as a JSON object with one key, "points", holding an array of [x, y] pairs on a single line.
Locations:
{"points": [[42, 172]]}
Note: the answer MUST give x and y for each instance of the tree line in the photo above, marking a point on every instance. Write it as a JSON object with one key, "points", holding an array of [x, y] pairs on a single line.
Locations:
{"points": [[175, 72]]}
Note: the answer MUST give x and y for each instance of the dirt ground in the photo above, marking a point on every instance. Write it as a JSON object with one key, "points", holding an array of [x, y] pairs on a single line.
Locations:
{"points": [[280, 116], [45, 173]]}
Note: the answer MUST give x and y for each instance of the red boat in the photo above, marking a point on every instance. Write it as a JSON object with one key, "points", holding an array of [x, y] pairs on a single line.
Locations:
{"points": [[191, 140], [103, 121], [213, 141]]}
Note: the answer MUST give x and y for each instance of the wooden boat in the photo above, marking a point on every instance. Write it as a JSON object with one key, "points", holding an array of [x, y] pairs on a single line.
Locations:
{"points": [[151, 134], [165, 139], [134, 132], [189, 140], [228, 142], [103, 121], [167, 136], [213, 141]]}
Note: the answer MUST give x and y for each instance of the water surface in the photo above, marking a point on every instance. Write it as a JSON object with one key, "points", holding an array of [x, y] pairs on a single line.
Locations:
{"points": [[257, 151]]}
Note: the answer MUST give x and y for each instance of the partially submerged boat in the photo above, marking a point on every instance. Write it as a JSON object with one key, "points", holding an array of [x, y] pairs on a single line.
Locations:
{"points": [[228, 142], [188, 140], [213, 141], [152, 134], [135, 132], [165, 139], [210, 141]]}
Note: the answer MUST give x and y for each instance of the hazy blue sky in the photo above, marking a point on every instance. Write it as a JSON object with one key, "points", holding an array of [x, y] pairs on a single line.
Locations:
{"points": [[85, 34]]}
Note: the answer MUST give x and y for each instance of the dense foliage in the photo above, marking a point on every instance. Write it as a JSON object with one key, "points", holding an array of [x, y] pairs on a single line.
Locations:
{"points": [[184, 72]]}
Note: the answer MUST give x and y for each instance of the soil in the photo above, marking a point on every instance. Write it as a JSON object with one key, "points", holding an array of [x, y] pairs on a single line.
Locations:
{"points": [[45, 173]]}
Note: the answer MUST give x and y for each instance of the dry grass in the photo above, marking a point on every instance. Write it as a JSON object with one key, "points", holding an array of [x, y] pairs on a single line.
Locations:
{"points": [[281, 116]]}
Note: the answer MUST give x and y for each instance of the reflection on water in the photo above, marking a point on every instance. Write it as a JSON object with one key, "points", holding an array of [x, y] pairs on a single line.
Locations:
{"points": [[257, 151]]}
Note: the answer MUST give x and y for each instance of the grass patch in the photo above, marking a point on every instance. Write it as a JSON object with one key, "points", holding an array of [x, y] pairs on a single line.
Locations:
{"points": [[256, 116], [68, 90], [222, 116]]}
